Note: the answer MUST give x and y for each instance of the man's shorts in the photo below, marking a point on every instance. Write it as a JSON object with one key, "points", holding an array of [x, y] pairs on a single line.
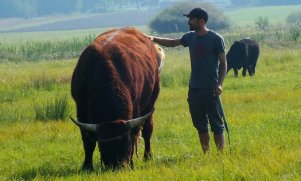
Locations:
{"points": [[203, 110]]}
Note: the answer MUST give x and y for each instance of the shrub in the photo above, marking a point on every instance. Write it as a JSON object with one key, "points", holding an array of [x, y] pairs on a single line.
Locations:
{"points": [[262, 23], [294, 18], [172, 19], [295, 32]]}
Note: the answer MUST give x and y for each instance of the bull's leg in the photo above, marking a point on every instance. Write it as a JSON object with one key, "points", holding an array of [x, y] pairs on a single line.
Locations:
{"points": [[88, 139], [148, 126], [134, 148], [147, 132], [250, 71], [253, 69], [89, 146], [244, 71], [235, 72]]}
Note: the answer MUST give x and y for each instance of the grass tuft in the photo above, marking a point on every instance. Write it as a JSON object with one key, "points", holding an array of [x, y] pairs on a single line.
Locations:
{"points": [[57, 109]]}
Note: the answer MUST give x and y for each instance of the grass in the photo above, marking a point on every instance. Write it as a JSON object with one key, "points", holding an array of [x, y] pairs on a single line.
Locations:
{"points": [[55, 109], [248, 16], [35, 51], [263, 113]]}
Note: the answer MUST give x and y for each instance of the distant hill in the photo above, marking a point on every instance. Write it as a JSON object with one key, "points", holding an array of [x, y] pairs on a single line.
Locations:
{"points": [[133, 18]]}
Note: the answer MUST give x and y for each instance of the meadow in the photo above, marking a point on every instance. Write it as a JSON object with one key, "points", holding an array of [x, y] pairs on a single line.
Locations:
{"points": [[39, 142], [263, 112]]}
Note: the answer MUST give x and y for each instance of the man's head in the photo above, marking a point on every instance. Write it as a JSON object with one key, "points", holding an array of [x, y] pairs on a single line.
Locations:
{"points": [[197, 19], [198, 13]]}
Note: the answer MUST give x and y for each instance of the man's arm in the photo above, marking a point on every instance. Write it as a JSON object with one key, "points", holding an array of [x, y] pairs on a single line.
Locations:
{"points": [[222, 71], [168, 42], [222, 68]]}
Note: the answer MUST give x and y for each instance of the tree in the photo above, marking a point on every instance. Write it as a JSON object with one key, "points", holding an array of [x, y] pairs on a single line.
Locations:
{"points": [[172, 19], [262, 23], [294, 18]]}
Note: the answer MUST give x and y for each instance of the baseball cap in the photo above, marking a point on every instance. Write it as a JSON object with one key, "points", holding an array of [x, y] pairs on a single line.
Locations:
{"points": [[197, 13]]}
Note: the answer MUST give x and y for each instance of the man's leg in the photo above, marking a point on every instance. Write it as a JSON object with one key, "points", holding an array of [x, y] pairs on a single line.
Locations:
{"points": [[199, 118], [216, 122], [204, 139], [219, 140]]}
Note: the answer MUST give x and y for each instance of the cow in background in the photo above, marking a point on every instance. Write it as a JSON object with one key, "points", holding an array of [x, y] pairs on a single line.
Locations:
{"points": [[243, 54], [115, 85]]}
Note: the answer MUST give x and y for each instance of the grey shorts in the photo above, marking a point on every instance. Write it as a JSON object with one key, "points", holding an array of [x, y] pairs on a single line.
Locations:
{"points": [[203, 110]]}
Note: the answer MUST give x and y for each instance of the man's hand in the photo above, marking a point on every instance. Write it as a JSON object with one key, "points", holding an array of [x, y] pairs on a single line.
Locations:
{"points": [[149, 37], [218, 90]]}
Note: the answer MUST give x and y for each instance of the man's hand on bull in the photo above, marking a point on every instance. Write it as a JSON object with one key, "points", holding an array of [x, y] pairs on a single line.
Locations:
{"points": [[149, 37]]}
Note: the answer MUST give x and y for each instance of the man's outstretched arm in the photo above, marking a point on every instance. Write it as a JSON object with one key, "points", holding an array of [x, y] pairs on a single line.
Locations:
{"points": [[168, 42]]}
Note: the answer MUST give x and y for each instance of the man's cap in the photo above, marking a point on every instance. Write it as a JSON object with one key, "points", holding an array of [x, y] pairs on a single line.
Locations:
{"points": [[197, 13]]}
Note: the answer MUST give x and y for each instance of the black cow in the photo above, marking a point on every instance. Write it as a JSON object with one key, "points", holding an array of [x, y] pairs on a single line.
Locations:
{"points": [[243, 53]]}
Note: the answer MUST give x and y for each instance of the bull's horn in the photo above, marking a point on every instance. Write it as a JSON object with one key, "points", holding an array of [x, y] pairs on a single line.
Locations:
{"points": [[139, 121], [85, 126]]}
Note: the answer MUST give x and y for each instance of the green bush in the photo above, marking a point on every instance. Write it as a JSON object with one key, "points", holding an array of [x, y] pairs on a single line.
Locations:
{"points": [[262, 23], [172, 19], [294, 18], [295, 32]]}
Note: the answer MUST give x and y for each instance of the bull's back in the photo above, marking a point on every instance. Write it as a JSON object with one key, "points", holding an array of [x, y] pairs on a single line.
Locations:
{"points": [[113, 73], [253, 50]]}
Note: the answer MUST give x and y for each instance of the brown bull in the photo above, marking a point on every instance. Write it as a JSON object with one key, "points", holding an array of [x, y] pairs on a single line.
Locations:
{"points": [[115, 85]]}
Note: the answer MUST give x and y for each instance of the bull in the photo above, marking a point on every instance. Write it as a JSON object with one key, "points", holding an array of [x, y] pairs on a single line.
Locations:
{"points": [[115, 85], [243, 54]]}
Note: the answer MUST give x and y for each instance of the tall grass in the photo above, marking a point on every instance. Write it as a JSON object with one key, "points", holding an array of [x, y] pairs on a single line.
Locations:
{"points": [[43, 50], [33, 51], [263, 113], [54, 109]]}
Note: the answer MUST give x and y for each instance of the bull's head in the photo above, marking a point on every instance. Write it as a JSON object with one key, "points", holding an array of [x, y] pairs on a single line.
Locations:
{"points": [[114, 139]]}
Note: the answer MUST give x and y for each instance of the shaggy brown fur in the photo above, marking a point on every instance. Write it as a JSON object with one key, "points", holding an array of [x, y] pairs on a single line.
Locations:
{"points": [[116, 78]]}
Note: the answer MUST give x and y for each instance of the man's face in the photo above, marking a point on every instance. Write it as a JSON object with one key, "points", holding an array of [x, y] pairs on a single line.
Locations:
{"points": [[194, 24]]}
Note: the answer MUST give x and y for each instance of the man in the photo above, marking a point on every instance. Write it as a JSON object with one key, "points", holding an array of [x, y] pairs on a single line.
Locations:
{"points": [[208, 70]]}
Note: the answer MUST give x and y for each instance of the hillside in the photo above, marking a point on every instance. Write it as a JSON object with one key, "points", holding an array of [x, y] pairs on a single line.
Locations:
{"points": [[241, 17], [133, 18], [247, 16]]}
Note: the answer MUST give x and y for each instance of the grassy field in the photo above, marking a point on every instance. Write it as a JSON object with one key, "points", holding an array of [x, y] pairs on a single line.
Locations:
{"points": [[38, 142], [264, 114], [248, 16]]}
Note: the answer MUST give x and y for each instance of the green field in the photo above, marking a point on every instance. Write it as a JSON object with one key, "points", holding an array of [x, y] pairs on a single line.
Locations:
{"points": [[264, 114], [248, 16], [38, 142]]}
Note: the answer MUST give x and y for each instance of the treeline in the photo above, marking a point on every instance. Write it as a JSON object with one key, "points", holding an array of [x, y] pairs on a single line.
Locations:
{"points": [[36, 8]]}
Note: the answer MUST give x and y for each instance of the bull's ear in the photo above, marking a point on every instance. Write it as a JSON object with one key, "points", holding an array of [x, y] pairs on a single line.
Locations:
{"points": [[109, 130]]}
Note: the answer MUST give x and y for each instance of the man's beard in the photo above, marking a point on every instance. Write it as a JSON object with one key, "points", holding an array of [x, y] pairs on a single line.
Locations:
{"points": [[193, 28]]}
